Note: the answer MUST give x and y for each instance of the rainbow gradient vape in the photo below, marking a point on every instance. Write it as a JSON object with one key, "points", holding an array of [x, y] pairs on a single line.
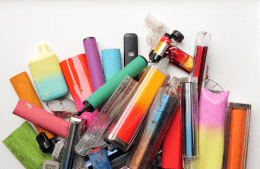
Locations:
{"points": [[47, 75]]}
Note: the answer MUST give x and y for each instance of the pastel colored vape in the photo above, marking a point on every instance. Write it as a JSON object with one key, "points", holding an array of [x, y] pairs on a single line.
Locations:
{"points": [[24, 90], [77, 76], [237, 134], [43, 118], [94, 62], [105, 91], [111, 61], [212, 112], [155, 126], [125, 127], [202, 44], [113, 106], [189, 108], [179, 58], [72, 138], [172, 145], [47, 75], [158, 30]]}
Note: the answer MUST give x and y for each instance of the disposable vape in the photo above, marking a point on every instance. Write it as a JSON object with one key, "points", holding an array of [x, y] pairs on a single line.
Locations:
{"points": [[47, 75], [155, 126], [172, 144], [105, 91], [212, 112], [189, 109], [179, 58], [63, 107], [43, 119], [46, 145], [238, 134], [24, 90], [166, 40], [202, 44], [125, 127], [111, 61], [99, 159], [113, 106], [158, 30], [94, 62], [72, 138], [130, 49]]}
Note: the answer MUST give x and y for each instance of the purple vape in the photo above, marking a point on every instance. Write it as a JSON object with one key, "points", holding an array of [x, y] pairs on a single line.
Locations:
{"points": [[94, 62]]}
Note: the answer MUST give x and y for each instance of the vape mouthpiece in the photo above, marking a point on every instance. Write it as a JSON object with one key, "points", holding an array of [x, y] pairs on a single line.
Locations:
{"points": [[175, 82], [163, 62], [87, 107]]}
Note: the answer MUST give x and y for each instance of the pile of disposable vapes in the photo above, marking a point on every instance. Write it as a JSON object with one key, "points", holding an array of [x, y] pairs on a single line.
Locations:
{"points": [[147, 118]]}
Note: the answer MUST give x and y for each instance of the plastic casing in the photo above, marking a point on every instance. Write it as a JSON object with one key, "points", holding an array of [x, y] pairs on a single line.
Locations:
{"points": [[47, 75], [113, 106], [111, 61], [125, 127], [236, 135], [155, 126]]}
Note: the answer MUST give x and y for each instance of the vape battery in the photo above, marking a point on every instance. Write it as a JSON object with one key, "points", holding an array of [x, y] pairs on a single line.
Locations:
{"points": [[179, 58], [111, 60], [238, 123], [155, 126], [72, 138], [125, 127], [47, 75], [94, 62], [113, 106], [189, 108], [202, 44]]}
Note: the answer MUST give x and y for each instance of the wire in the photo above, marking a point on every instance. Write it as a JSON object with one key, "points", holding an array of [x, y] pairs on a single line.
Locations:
{"points": [[216, 84]]}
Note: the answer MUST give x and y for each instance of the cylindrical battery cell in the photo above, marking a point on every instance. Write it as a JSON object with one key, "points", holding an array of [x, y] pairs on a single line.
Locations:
{"points": [[94, 62], [155, 126], [238, 135], [125, 127]]}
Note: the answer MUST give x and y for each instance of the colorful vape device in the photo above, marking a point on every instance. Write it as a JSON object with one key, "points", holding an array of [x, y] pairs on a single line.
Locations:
{"points": [[158, 30], [202, 44], [105, 91], [125, 127], [172, 145], [179, 58], [212, 112], [111, 60], [24, 90], [155, 126], [189, 108], [77, 76], [72, 138], [94, 62], [42, 118], [238, 123], [113, 106], [47, 75]]}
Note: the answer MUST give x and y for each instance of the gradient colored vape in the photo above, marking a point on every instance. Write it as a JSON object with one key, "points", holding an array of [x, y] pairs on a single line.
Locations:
{"points": [[125, 127], [94, 62], [113, 106], [238, 123], [189, 108], [155, 126], [172, 145], [212, 112], [24, 90], [77, 76], [202, 44], [105, 91], [72, 138], [179, 58], [111, 60], [47, 75]]}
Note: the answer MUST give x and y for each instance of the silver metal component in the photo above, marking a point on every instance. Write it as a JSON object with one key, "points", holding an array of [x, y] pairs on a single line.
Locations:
{"points": [[117, 141]]}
